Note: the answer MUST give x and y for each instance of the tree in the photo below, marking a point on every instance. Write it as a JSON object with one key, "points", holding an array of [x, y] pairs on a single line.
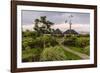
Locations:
{"points": [[36, 28], [70, 22], [42, 26]]}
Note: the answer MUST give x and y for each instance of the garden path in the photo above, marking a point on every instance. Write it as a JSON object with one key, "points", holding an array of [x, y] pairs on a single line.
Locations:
{"points": [[81, 55]]}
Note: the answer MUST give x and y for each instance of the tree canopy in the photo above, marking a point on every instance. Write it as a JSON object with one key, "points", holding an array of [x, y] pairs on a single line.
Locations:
{"points": [[42, 25]]}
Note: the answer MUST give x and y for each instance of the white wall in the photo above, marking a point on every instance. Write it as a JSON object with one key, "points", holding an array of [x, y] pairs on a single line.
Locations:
{"points": [[5, 36]]}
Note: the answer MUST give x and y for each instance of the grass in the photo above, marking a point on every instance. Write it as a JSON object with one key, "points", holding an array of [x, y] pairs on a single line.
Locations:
{"points": [[85, 50], [53, 54], [78, 49], [71, 56], [57, 53]]}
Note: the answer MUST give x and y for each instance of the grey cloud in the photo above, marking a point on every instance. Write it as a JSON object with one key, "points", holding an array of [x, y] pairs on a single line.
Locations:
{"points": [[28, 17]]}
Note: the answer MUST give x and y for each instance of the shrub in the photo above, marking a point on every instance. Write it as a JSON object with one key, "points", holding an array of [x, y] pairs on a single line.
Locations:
{"points": [[70, 41], [82, 42], [26, 42], [49, 40], [87, 50], [53, 42], [38, 42], [52, 54], [76, 41], [29, 34], [30, 55]]}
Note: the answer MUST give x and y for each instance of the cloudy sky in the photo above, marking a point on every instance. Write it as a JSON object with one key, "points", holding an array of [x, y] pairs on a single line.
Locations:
{"points": [[81, 21]]}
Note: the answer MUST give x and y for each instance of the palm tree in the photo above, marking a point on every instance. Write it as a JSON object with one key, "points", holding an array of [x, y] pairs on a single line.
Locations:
{"points": [[70, 22]]}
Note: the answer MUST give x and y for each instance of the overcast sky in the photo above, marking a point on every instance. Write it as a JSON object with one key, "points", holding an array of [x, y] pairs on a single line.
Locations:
{"points": [[59, 18]]}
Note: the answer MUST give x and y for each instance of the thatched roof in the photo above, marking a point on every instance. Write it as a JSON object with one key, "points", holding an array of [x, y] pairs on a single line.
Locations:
{"points": [[70, 31], [57, 31]]}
